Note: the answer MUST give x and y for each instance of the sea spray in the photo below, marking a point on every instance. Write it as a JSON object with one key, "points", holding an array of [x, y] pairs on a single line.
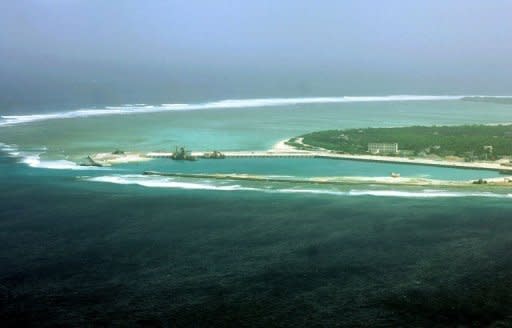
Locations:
{"points": [[33, 159]]}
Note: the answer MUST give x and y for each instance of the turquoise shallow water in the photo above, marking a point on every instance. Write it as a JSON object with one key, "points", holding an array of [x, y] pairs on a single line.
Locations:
{"points": [[309, 167], [129, 250], [254, 128]]}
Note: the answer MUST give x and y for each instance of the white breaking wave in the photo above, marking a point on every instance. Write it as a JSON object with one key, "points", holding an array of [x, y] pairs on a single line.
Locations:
{"points": [[33, 159], [222, 104], [159, 182], [11, 150], [398, 193], [165, 182], [426, 194]]}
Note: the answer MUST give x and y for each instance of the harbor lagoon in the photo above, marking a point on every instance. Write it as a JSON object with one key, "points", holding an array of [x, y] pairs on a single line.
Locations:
{"points": [[309, 167]]}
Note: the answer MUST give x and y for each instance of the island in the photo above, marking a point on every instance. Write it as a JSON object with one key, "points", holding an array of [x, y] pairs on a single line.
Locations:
{"points": [[468, 143], [482, 147]]}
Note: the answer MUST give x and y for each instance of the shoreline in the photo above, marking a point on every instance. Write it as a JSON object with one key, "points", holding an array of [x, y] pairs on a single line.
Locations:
{"points": [[338, 180], [280, 149]]}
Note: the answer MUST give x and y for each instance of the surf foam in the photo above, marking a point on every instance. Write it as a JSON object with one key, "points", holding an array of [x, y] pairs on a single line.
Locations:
{"points": [[222, 104], [159, 182], [11, 150], [165, 182], [33, 159]]}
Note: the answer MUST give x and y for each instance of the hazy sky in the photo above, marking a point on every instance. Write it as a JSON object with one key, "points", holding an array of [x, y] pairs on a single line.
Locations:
{"points": [[111, 50]]}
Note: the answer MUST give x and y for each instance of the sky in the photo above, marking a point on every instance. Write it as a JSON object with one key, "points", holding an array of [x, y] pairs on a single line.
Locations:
{"points": [[118, 51]]}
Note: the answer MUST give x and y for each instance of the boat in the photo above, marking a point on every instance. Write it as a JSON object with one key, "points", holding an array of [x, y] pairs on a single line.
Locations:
{"points": [[214, 155], [183, 155]]}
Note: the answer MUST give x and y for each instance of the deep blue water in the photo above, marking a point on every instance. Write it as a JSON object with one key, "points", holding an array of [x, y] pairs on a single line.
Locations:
{"points": [[76, 253]]}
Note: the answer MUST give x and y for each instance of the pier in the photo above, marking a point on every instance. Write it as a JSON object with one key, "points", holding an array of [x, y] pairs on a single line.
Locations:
{"points": [[366, 158], [243, 154], [107, 159]]}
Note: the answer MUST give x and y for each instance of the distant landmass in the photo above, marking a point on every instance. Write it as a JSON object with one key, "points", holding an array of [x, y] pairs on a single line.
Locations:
{"points": [[469, 142], [495, 100]]}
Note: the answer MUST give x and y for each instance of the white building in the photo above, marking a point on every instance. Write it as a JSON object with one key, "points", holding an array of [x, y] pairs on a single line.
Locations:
{"points": [[382, 148]]}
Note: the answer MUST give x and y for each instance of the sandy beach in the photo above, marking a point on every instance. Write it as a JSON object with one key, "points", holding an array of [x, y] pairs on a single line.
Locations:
{"points": [[281, 146], [494, 165]]}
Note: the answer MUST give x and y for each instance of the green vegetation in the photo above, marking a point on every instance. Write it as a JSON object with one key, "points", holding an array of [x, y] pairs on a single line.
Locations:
{"points": [[496, 100], [470, 142]]}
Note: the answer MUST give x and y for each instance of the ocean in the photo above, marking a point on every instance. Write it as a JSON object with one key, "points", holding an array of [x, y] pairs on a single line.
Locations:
{"points": [[109, 246]]}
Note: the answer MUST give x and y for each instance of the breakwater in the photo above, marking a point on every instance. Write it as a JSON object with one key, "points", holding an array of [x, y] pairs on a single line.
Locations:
{"points": [[314, 180]]}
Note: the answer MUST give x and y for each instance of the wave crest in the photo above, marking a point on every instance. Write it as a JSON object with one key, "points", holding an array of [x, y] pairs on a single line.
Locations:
{"points": [[33, 159], [222, 104], [166, 182]]}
